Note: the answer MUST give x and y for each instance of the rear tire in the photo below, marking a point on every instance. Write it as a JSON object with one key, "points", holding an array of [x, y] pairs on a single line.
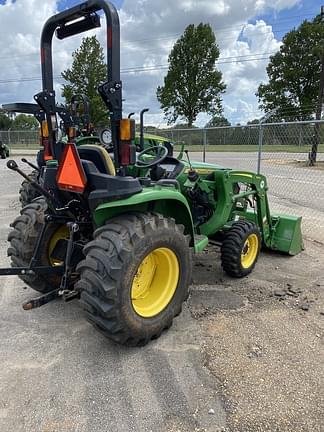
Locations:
{"points": [[123, 295], [240, 249], [23, 239], [27, 192]]}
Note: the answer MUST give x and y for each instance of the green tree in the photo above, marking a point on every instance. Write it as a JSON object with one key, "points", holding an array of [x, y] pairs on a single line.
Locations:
{"points": [[183, 126], [254, 122], [218, 121], [5, 121], [87, 72], [294, 74], [25, 122], [192, 84]]}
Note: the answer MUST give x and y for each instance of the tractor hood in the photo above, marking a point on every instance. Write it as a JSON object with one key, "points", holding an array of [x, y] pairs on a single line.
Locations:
{"points": [[203, 167]]}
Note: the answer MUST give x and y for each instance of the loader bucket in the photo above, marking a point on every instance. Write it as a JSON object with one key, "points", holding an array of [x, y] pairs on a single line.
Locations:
{"points": [[287, 236]]}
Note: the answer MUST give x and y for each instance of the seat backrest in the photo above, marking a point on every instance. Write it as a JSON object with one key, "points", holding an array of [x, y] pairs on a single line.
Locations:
{"points": [[99, 156]]}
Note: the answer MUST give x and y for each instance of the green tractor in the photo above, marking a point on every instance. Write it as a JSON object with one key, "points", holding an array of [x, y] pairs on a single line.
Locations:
{"points": [[145, 140], [4, 150], [118, 231]]}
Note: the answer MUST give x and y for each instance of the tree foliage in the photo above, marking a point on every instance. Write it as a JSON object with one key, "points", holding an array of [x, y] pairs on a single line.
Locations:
{"points": [[5, 121], [20, 122], [294, 73], [254, 121], [192, 84], [24, 122], [218, 121], [87, 72]]}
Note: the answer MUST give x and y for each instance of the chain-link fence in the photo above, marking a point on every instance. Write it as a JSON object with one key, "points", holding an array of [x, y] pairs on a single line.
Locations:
{"points": [[279, 150], [20, 139]]}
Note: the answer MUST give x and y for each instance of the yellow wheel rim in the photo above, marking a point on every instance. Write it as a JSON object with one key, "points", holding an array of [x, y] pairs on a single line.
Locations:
{"points": [[155, 282], [250, 251], [61, 233]]}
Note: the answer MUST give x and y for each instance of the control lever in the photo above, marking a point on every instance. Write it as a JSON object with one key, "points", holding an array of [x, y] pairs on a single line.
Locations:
{"points": [[30, 164], [192, 174]]}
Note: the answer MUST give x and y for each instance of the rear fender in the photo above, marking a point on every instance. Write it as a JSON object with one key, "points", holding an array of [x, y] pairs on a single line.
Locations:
{"points": [[164, 200]]}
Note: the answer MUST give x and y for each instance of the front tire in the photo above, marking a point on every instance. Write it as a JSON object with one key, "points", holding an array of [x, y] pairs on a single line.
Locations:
{"points": [[135, 277], [240, 249]]}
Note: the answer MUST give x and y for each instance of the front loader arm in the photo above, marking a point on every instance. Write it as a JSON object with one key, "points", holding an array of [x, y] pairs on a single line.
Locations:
{"points": [[227, 198]]}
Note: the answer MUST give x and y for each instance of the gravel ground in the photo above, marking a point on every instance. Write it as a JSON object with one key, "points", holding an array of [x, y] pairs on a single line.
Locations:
{"points": [[267, 350], [245, 355]]}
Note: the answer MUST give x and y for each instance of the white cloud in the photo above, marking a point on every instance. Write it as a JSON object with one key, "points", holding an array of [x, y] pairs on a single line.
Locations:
{"points": [[149, 29], [238, 41], [21, 23]]}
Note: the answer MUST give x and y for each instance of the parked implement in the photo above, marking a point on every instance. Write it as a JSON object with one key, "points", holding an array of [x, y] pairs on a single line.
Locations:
{"points": [[118, 231], [144, 141], [4, 150]]}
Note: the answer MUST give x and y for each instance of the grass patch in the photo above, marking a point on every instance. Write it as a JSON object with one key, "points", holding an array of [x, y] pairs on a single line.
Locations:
{"points": [[251, 148], [219, 148]]}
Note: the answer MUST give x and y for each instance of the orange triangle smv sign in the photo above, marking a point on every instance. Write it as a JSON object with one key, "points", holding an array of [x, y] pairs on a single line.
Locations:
{"points": [[71, 176]]}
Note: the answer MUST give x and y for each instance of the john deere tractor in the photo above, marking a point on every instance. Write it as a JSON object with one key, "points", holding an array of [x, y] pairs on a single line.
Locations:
{"points": [[118, 231]]}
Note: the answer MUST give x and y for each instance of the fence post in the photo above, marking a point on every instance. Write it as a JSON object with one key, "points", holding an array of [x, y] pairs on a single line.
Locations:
{"points": [[260, 147], [205, 144], [263, 120]]}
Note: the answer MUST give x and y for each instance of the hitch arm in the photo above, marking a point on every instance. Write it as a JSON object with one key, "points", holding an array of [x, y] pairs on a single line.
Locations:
{"points": [[28, 271]]}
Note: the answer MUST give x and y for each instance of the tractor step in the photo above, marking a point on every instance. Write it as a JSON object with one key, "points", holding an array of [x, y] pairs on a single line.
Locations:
{"points": [[201, 241]]}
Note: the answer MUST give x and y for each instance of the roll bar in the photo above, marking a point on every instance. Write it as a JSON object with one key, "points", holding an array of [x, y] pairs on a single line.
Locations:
{"points": [[73, 21], [145, 110], [65, 25], [25, 108]]}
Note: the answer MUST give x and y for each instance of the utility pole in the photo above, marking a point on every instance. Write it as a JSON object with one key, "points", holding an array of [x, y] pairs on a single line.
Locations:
{"points": [[313, 153], [321, 89]]}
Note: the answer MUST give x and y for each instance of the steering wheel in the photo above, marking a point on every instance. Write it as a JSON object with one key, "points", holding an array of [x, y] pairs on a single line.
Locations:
{"points": [[160, 153]]}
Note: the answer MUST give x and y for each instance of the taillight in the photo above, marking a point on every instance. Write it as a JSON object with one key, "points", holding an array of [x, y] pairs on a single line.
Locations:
{"points": [[45, 141], [127, 151]]}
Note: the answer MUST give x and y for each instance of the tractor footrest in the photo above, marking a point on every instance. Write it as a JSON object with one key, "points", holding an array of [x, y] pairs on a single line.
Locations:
{"points": [[201, 241]]}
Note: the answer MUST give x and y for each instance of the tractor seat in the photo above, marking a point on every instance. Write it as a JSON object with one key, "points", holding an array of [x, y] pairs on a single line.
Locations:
{"points": [[99, 157]]}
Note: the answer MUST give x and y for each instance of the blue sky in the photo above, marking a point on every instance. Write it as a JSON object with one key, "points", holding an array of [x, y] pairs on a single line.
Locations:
{"points": [[285, 20], [306, 9], [63, 4]]}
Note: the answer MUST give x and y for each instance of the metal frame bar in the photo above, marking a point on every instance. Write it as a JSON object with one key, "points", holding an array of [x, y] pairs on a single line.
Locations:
{"points": [[29, 271], [111, 91], [113, 38]]}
